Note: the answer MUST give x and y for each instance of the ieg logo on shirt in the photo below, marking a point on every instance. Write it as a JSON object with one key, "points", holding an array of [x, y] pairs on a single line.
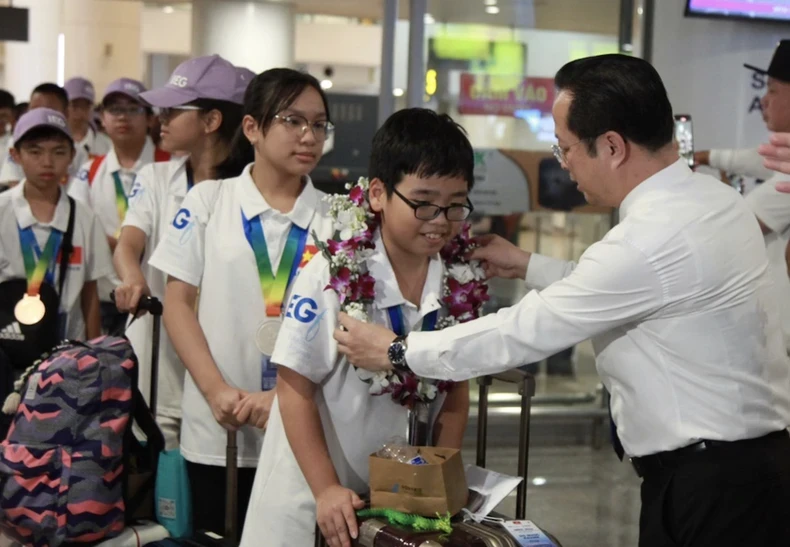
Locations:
{"points": [[136, 190], [302, 309], [182, 219]]}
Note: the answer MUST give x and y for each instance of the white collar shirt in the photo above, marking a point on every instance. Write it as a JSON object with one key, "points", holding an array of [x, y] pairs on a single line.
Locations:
{"points": [[90, 259], [156, 196], [355, 422], [205, 246], [95, 143], [679, 303]]}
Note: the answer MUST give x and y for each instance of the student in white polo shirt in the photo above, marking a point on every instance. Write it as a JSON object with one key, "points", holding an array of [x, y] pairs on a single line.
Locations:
{"points": [[228, 240], [46, 95], [38, 206], [82, 97], [105, 182], [326, 422], [200, 109]]}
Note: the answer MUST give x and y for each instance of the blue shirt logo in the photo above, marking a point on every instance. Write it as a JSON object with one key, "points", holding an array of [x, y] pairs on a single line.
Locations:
{"points": [[302, 309], [182, 219], [136, 189]]}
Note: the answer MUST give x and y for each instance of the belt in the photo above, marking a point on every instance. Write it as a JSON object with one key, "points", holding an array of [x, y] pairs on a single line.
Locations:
{"points": [[672, 459]]}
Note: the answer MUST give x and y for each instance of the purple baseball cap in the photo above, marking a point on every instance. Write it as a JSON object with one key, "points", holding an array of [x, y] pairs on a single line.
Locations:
{"points": [[80, 88], [209, 77], [244, 77], [125, 86], [39, 117]]}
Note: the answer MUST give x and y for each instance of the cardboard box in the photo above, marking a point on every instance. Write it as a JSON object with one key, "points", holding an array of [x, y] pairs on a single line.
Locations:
{"points": [[438, 486]]}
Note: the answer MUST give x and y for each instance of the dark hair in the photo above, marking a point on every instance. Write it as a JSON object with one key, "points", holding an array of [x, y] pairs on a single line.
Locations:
{"points": [[418, 141], [53, 89], [42, 133], [6, 99], [617, 93], [232, 115], [20, 109], [268, 94]]}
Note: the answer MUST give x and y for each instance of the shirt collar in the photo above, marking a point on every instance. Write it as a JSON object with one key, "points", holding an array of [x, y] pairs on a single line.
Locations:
{"points": [[24, 216], [146, 157], [676, 172], [177, 181], [253, 204], [388, 291]]}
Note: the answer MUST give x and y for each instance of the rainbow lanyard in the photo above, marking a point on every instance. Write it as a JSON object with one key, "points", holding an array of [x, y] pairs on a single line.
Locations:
{"points": [[39, 266], [121, 200], [397, 324], [274, 286]]}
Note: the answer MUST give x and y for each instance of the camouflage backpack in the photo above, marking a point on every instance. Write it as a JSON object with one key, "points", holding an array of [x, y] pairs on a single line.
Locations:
{"points": [[71, 470]]}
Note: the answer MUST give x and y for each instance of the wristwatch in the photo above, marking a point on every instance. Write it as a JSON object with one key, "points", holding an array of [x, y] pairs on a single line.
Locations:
{"points": [[397, 354]]}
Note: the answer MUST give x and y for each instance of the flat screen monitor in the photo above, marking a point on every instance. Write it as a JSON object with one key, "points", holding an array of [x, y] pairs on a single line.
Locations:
{"points": [[755, 10], [14, 24]]}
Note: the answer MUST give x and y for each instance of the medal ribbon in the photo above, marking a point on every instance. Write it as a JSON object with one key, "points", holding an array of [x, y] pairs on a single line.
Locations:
{"points": [[121, 201], [274, 286], [39, 266], [397, 324]]}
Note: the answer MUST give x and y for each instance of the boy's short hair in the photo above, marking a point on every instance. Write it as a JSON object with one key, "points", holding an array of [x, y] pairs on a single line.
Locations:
{"points": [[418, 141], [6, 99], [20, 109], [53, 89]]}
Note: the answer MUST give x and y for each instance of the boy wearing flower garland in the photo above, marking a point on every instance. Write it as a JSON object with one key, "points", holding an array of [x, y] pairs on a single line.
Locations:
{"points": [[329, 418]]}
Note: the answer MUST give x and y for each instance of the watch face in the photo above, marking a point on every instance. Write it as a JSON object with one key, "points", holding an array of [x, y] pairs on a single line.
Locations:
{"points": [[396, 353]]}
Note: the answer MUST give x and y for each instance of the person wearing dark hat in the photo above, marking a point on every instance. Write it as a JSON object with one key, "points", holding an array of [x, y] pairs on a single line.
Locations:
{"points": [[82, 96]]}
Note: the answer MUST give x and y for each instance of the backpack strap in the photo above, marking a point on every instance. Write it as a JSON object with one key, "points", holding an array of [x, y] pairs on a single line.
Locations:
{"points": [[160, 155], [94, 168], [66, 248]]}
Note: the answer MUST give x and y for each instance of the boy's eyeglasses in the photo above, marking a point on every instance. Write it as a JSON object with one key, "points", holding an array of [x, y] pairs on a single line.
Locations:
{"points": [[169, 113], [130, 111], [429, 211], [299, 124]]}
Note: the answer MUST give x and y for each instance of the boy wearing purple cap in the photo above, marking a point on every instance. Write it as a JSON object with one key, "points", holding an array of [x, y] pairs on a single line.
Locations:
{"points": [[46, 95], [82, 96], [105, 183], [199, 113], [35, 214]]}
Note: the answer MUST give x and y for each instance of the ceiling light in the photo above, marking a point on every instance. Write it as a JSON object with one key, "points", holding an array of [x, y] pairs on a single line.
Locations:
{"points": [[490, 2], [539, 481], [168, 9], [326, 84], [429, 20], [492, 10], [640, 11], [398, 92]]}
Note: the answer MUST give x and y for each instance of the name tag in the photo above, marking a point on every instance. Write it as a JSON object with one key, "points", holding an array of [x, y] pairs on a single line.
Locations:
{"points": [[527, 534]]}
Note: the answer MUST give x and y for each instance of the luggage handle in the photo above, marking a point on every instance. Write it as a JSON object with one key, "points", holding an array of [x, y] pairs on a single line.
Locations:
{"points": [[231, 487], [526, 388]]}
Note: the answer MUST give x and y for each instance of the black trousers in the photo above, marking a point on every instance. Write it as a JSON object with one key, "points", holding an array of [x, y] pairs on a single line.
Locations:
{"points": [[207, 483], [737, 495]]}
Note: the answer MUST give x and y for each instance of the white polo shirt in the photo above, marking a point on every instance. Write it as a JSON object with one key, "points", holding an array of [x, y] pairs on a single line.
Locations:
{"points": [[10, 171], [773, 209], [89, 261], [355, 423], [153, 202], [100, 196], [680, 305], [205, 246], [95, 143]]}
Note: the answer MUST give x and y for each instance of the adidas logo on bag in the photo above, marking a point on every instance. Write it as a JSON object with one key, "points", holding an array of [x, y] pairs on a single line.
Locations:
{"points": [[12, 332]]}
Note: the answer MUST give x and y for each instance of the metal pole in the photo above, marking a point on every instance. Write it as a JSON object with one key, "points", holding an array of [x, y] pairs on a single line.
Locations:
{"points": [[386, 98], [482, 420], [626, 30], [527, 392], [416, 93], [647, 30]]}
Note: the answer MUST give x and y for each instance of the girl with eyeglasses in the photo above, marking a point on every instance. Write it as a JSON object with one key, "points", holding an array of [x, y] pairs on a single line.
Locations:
{"points": [[198, 120], [241, 241]]}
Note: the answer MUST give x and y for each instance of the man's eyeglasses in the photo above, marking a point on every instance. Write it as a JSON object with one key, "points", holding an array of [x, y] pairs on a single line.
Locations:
{"points": [[169, 113], [560, 152], [130, 111], [429, 211], [299, 124]]}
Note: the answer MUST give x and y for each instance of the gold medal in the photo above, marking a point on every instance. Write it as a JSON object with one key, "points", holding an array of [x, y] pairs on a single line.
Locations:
{"points": [[30, 310], [266, 337]]}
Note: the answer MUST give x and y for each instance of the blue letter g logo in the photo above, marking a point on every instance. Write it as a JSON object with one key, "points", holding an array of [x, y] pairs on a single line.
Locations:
{"points": [[181, 219]]}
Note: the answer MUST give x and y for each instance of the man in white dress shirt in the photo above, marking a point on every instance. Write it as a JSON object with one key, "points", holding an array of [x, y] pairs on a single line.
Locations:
{"points": [[678, 302]]}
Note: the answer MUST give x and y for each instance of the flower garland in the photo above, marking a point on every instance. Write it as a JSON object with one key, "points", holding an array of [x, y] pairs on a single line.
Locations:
{"points": [[465, 290]]}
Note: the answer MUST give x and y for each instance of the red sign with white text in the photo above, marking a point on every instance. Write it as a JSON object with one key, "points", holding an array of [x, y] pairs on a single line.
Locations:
{"points": [[504, 95]]}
